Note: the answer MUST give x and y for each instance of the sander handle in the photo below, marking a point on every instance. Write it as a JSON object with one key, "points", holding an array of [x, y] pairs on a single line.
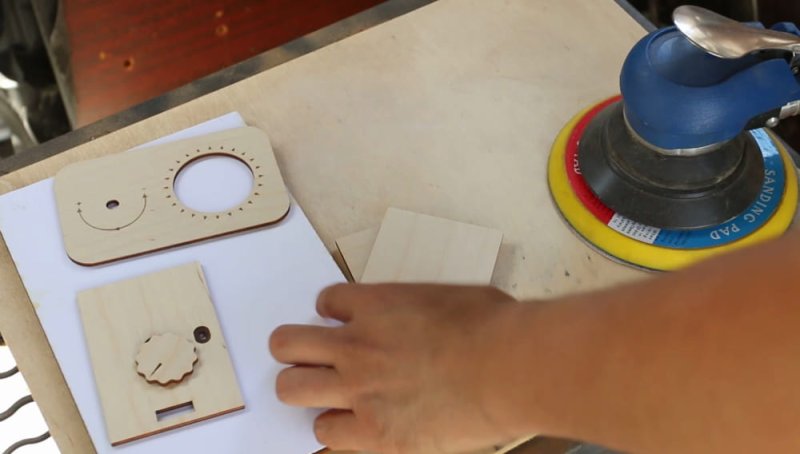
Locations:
{"points": [[727, 38], [679, 97]]}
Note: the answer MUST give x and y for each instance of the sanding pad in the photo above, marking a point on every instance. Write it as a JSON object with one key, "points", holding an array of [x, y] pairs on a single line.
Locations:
{"points": [[653, 248]]}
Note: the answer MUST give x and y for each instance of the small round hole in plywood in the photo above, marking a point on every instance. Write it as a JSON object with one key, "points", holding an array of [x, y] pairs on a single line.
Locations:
{"points": [[214, 184]]}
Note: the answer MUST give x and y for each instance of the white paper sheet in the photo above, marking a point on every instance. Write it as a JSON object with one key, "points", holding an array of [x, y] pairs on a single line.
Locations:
{"points": [[258, 280]]}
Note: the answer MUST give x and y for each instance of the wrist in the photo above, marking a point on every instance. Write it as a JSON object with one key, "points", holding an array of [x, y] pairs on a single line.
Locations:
{"points": [[532, 376], [510, 371]]}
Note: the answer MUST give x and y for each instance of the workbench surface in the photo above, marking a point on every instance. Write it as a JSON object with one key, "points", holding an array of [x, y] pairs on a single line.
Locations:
{"points": [[448, 110]]}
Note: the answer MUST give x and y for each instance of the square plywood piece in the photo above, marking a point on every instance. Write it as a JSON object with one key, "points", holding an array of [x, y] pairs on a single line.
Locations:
{"points": [[413, 247], [355, 249], [141, 330]]}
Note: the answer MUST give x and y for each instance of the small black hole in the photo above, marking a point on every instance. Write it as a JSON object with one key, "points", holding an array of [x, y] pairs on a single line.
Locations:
{"points": [[111, 204], [202, 334]]}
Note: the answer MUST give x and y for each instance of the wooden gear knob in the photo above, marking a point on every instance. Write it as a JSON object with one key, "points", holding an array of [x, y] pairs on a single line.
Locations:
{"points": [[166, 358]]}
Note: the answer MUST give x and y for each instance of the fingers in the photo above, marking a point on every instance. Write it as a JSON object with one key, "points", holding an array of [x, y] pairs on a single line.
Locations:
{"points": [[339, 302], [343, 301], [340, 430], [303, 344], [313, 387]]}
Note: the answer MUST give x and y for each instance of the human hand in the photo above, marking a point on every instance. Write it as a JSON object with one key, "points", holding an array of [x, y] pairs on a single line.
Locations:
{"points": [[412, 369]]}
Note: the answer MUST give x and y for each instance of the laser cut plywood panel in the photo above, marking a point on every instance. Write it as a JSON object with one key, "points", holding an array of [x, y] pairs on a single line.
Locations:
{"points": [[125, 204], [413, 247], [121, 318]]}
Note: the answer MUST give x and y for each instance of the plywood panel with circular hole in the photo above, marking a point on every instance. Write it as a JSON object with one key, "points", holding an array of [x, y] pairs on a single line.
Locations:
{"points": [[126, 204]]}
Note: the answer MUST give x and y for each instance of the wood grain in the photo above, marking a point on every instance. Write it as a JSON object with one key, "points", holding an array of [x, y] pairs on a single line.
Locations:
{"points": [[146, 214], [414, 247], [124, 52], [450, 109], [118, 318]]}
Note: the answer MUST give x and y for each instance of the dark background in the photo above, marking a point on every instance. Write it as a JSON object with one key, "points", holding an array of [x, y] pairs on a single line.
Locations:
{"points": [[78, 61]]}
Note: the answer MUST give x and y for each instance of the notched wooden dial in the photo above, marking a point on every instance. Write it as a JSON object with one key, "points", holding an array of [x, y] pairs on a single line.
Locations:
{"points": [[166, 358]]}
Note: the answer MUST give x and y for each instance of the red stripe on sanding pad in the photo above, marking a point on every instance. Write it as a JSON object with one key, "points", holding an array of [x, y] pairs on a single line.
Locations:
{"points": [[582, 190]]}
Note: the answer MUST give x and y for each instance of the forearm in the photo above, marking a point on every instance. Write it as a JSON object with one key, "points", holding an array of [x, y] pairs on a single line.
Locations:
{"points": [[703, 360]]}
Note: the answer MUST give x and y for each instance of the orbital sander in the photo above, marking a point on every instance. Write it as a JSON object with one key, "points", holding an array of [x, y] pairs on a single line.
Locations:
{"points": [[682, 165]]}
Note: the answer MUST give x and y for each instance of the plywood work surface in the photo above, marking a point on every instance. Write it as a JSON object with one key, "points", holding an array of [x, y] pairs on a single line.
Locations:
{"points": [[120, 318], [414, 247], [449, 110]]}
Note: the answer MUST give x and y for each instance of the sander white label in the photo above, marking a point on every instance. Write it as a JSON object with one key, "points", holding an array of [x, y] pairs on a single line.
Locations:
{"points": [[633, 229]]}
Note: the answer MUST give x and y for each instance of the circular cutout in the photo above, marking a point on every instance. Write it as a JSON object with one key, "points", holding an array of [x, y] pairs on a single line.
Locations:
{"points": [[202, 334], [214, 184], [111, 204]]}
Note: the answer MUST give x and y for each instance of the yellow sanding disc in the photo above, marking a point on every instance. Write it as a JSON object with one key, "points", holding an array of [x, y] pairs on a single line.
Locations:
{"points": [[659, 249]]}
